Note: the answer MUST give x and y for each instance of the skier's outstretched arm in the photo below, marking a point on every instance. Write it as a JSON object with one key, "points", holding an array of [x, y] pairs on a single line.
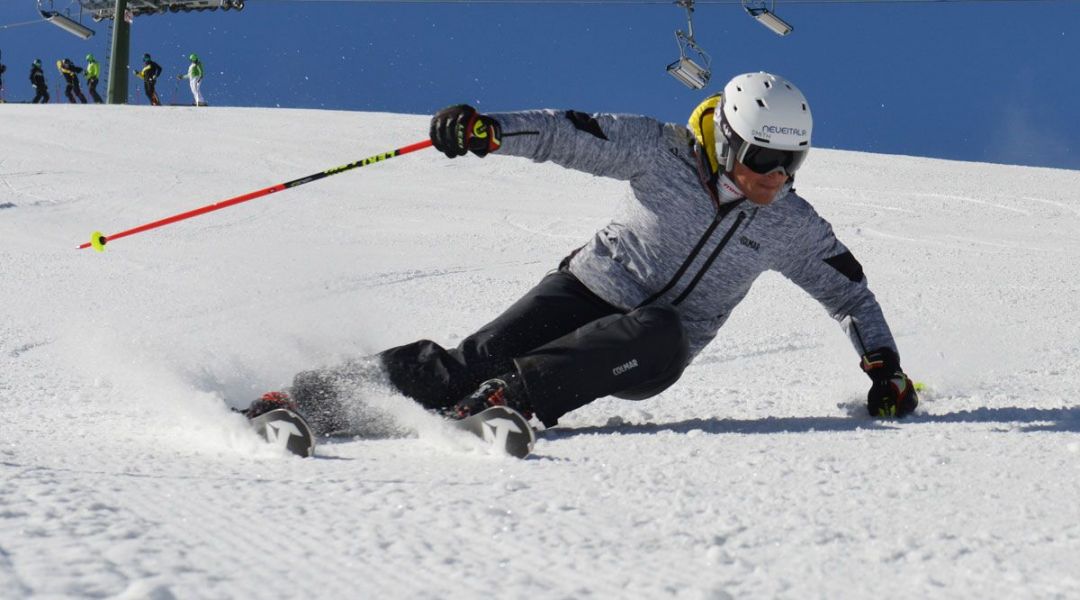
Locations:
{"points": [[828, 271], [822, 266], [605, 145], [616, 146]]}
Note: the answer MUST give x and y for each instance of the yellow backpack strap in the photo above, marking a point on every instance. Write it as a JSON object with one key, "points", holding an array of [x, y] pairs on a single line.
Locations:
{"points": [[701, 123]]}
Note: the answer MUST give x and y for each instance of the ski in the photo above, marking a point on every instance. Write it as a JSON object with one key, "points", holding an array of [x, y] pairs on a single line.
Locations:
{"points": [[504, 428]]}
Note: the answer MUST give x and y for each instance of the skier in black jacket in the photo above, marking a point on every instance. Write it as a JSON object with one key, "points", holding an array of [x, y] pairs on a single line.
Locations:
{"points": [[149, 74], [37, 78], [71, 78]]}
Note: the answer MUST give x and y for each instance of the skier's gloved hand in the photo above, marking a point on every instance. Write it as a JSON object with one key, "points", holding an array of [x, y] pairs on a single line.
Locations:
{"points": [[458, 129], [892, 394]]}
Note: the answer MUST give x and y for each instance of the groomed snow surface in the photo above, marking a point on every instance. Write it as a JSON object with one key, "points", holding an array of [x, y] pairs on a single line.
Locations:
{"points": [[123, 474]]}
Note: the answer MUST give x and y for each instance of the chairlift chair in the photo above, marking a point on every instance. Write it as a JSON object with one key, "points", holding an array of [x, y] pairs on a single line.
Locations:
{"points": [[766, 16], [63, 21], [690, 73]]}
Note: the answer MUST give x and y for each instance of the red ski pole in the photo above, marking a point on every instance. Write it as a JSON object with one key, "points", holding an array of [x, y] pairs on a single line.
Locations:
{"points": [[98, 240]]}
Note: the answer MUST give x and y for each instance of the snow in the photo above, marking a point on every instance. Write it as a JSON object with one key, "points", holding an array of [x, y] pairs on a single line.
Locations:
{"points": [[758, 475]]}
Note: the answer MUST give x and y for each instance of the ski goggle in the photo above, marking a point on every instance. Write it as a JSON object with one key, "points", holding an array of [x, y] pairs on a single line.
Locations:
{"points": [[763, 160]]}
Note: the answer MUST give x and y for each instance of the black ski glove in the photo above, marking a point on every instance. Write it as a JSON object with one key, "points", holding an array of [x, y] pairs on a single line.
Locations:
{"points": [[892, 394], [458, 129]]}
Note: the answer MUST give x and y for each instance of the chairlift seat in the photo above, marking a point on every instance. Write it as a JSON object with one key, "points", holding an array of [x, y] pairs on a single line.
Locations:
{"points": [[690, 73]]}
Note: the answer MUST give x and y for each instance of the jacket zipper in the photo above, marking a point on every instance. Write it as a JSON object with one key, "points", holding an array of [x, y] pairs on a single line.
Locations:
{"points": [[686, 264], [712, 257], [723, 212]]}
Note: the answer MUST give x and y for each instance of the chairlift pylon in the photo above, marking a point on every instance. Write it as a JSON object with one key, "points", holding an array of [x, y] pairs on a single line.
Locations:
{"points": [[692, 74]]}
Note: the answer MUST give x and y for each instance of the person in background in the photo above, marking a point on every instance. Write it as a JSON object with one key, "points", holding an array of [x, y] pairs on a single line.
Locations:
{"points": [[149, 74], [93, 73], [71, 77], [2, 69], [37, 78], [194, 77]]}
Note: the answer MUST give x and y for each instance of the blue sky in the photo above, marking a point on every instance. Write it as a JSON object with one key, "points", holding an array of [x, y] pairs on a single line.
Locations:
{"points": [[983, 81]]}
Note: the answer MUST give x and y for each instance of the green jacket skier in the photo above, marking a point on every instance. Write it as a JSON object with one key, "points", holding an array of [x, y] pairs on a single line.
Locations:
{"points": [[194, 76], [93, 73]]}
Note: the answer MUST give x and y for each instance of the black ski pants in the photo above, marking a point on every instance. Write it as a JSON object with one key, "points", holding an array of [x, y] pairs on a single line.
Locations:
{"points": [[149, 86], [73, 88], [91, 85], [42, 95], [568, 345]]}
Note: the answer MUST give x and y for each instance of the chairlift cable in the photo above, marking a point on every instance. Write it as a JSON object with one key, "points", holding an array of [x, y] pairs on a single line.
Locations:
{"points": [[10, 25], [663, 2]]}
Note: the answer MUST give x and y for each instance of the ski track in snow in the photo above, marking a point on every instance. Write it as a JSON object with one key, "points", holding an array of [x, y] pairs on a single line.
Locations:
{"points": [[123, 474]]}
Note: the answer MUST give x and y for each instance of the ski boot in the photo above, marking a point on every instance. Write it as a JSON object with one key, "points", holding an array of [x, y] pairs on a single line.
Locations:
{"points": [[268, 402], [498, 412], [501, 391], [275, 418]]}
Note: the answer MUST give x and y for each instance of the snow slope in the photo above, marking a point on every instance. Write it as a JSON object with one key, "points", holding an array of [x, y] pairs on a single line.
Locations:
{"points": [[122, 474]]}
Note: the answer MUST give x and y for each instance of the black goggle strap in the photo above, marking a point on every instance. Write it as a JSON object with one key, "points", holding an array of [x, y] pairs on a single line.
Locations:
{"points": [[732, 142]]}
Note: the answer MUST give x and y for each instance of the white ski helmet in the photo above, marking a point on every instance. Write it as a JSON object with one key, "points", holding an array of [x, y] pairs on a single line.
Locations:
{"points": [[764, 123]]}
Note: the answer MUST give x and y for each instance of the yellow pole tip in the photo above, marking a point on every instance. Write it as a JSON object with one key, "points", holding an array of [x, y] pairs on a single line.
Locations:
{"points": [[97, 241]]}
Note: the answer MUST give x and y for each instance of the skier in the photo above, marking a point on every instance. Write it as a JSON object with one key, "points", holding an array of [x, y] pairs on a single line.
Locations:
{"points": [[194, 77], [713, 207], [93, 73], [149, 74], [37, 78], [2, 69], [71, 77]]}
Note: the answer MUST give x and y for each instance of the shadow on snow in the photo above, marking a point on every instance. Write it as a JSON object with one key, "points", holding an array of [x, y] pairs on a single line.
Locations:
{"points": [[1030, 419]]}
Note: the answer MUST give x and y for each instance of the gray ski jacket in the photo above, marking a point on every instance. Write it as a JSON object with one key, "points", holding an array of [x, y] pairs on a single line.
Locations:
{"points": [[687, 239]]}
